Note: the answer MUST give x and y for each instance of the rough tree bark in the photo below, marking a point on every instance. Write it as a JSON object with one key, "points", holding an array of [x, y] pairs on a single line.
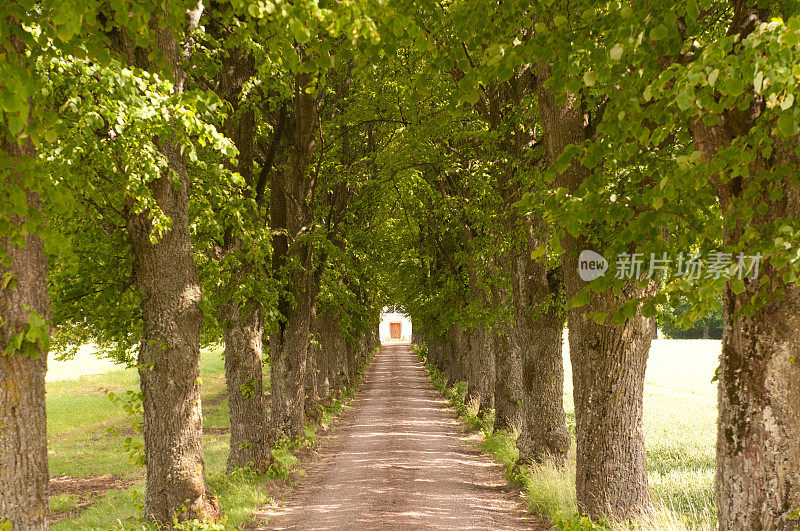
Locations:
{"points": [[453, 368], [290, 213], [436, 347], [169, 354], [243, 321], [341, 374], [508, 393], [325, 329], [539, 321], [288, 352], [313, 406], [608, 361], [533, 335], [758, 462], [479, 359], [23, 438], [481, 367], [242, 331]]}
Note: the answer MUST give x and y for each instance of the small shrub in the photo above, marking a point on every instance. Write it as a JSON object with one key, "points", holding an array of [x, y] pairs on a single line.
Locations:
{"points": [[132, 403]]}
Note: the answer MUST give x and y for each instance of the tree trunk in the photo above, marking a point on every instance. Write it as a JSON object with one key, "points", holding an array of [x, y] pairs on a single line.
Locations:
{"points": [[476, 335], [539, 321], [508, 390], [169, 355], [487, 379], [469, 345], [339, 355], [288, 352], [480, 386], [23, 436], [454, 369], [313, 406], [242, 331], [608, 367], [608, 362], [508, 393], [290, 213], [758, 463], [325, 355], [436, 347]]}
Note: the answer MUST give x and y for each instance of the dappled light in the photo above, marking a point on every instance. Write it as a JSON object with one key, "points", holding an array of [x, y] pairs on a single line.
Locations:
{"points": [[478, 264], [399, 458]]}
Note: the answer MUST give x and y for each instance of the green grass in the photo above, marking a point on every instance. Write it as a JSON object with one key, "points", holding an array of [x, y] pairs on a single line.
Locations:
{"points": [[680, 435], [79, 415], [79, 418]]}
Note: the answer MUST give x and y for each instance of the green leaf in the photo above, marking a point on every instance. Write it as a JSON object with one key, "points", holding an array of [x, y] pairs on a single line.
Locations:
{"points": [[16, 123], [618, 318], [785, 124], [597, 316], [658, 33], [590, 78], [629, 308], [649, 309], [562, 163], [538, 252], [616, 52], [737, 285], [472, 97], [787, 101], [7, 279], [397, 27], [712, 76], [758, 82], [35, 320], [580, 299], [685, 99], [658, 202], [299, 31]]}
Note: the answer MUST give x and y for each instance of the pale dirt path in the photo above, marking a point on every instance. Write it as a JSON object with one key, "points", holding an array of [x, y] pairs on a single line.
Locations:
{"points": [[399, 459]]}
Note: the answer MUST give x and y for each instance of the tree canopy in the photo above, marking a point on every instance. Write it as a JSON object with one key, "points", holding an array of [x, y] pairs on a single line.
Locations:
{"points": [[253, 170]]}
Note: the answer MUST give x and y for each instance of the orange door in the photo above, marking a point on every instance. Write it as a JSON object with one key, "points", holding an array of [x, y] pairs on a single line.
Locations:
{"points": [[394, 330]]}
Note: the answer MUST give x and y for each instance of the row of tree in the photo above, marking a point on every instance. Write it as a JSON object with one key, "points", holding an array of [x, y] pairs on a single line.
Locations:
{"points": [[250, 168], [660, 131], [175, 174]]}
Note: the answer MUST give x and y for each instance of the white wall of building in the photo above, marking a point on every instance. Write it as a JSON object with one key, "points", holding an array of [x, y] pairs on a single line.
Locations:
{"points": [[392, 317]]}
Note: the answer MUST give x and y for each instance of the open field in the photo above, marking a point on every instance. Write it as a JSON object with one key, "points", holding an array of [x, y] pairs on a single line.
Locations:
{"points": [[96, 485], [80, 446], [680, 413]]}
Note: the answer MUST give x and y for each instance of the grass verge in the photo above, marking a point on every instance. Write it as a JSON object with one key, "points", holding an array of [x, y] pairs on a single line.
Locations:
{"points": [[82, 446], [680, 449]]}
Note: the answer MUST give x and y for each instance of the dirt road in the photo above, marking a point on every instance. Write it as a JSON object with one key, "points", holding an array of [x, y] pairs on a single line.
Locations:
{"points": [[398, 459]]}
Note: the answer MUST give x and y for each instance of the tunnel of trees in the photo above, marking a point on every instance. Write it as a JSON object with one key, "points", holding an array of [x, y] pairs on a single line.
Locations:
{"points": [[269, 175]]}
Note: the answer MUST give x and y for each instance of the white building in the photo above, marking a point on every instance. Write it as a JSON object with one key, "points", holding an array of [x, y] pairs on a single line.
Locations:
{"points": [[395, 326]]}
